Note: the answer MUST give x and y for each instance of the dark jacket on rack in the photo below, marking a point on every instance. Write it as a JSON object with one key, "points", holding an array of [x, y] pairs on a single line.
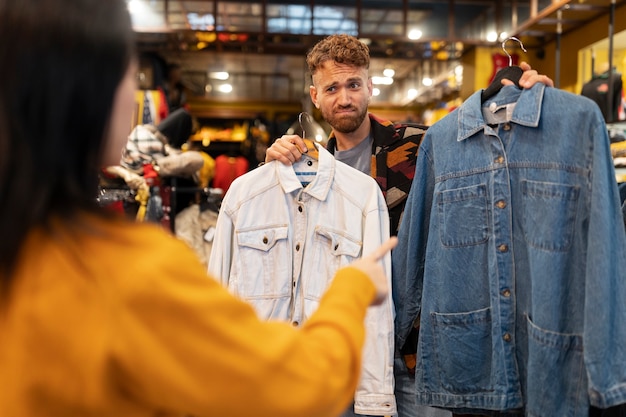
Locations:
{"points": [[597, 89]]}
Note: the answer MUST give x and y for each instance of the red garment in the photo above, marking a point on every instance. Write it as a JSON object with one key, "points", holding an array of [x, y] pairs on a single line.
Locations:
{"points": [[501, 61], [227, 168]]}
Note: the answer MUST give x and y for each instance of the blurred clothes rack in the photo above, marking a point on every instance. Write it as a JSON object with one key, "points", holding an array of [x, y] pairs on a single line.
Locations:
{"points": [[195, 224]]}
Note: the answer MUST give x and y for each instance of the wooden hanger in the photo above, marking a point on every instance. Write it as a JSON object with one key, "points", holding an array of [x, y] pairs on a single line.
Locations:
{"points": [[312, 151], [512, 72]]}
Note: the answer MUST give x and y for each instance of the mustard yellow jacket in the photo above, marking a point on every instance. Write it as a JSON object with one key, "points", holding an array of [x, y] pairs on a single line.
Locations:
{"points": [[114, 318]]}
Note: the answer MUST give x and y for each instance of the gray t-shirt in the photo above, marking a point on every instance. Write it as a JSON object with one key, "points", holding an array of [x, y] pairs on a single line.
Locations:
{"points": [[359, 157]]}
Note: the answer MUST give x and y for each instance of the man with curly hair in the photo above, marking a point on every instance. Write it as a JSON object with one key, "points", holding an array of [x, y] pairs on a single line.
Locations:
{"points": [[341, 89]]}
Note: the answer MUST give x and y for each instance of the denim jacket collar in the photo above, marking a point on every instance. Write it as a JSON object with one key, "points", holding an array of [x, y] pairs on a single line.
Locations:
{"points": [[320, 186], [527, 111]]}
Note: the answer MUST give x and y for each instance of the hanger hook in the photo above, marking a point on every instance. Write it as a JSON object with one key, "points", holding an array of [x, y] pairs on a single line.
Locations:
{"points": [[308, 120], [511, 38]]}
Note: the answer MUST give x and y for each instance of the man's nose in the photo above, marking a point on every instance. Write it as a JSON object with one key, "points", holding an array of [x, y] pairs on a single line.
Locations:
{"points": [[344, 97]]}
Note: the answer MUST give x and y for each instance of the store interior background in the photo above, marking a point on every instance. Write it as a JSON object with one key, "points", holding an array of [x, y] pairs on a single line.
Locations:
{"points": [[262, 45]]}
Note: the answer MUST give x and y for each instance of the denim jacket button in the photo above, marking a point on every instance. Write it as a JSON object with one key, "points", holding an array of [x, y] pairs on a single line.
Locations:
{"points": [[265, 240], [298, 247], [501, 204], [506, 292], [503, 248], [507, 337], [507, 126], [499, 159], [300, 209]]}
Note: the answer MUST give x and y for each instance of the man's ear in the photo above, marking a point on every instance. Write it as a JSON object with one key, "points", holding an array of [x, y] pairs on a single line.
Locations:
{"points": [[313, 94]]}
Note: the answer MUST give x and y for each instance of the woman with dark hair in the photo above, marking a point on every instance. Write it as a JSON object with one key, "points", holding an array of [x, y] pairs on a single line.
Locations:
{"points": [[100, 316]]}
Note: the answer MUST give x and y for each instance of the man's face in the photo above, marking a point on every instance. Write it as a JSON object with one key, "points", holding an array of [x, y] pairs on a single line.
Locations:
{"points": [[342, 93]]}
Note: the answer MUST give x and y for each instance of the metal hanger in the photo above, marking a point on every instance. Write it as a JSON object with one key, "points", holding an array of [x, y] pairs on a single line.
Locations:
{"points": [[503, 46], [512, 72], [312, 151]]}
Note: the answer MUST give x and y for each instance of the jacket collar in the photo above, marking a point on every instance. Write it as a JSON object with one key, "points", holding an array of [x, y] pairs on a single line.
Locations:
{"points": [[320, 186], [527, 111]]}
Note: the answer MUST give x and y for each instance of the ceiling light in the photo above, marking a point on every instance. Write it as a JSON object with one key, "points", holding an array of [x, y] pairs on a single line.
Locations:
{"points": [[382, 80], [427, 81], [389, 72], [412, 93], [492, 37], [225, 88], [415, 34], [219, 75], [375, 91]]}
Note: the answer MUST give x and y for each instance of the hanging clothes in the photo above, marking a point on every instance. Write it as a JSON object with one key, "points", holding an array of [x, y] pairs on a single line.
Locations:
{"points": [[227, 168], [278, 243], [513, 253], [597, 89], [195, 226]]}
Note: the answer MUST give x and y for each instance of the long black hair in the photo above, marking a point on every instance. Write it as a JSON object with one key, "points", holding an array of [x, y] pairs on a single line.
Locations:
{"points": [[61, 62]]}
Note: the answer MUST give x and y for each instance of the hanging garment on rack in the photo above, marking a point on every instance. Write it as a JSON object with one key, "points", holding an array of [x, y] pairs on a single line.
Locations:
{"points": [[143, 147], [597, 89], [227, 168], [278, 244], [513, 253], [196, 227]]}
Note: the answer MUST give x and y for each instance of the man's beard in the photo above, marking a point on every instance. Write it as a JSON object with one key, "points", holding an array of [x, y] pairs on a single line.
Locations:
{"points": [[345, 124]]}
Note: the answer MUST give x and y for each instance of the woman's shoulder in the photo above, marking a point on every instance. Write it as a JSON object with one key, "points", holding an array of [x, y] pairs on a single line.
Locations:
{"points": [[119, 243]]}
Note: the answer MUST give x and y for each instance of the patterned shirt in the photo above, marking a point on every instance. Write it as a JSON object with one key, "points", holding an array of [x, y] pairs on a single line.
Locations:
{"points": [[394, 152]]}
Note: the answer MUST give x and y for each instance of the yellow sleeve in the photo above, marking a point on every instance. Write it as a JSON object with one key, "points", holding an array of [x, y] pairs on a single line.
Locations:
{"points": [[184, 343]]}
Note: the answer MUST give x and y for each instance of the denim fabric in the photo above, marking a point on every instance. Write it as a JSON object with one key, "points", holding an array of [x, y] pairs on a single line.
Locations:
{"points": [[277, 245], [513, 250], [405, 394]]}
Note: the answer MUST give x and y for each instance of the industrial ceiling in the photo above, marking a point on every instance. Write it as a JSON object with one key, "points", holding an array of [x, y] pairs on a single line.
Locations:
{"points": [[262, 44]]}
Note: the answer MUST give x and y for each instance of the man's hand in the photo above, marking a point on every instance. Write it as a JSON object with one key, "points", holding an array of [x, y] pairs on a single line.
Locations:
{"points": [[286, 149], [530, 77]]}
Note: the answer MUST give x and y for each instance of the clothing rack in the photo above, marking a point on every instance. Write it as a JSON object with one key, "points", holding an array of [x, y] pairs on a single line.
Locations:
{"points": [[209, 195]]}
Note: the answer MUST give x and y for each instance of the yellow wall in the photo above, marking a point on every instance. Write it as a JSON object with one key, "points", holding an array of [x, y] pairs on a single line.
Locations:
{"points": [[571, 44], [478, 67], [574, 65]]}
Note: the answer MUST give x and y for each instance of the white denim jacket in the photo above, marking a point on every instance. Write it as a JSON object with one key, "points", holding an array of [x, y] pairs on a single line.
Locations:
{"points": [[277, 244]]}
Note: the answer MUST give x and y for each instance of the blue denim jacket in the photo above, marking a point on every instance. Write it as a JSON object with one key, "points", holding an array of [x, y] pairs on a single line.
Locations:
{"points": [[512, 251]]}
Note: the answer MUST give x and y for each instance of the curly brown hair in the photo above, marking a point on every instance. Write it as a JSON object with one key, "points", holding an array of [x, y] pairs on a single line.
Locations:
{"points": [[343, 49]]}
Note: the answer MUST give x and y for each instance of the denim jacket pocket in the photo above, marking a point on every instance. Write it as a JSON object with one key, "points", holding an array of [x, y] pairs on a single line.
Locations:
{"points": [[463, 351], [265, 261], [549, 354], [463, 216], [549, 214], [333, 249]]}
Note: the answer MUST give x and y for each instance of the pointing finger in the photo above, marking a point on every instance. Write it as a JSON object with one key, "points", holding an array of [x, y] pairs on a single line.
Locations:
{"points": [[378, 253]]}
